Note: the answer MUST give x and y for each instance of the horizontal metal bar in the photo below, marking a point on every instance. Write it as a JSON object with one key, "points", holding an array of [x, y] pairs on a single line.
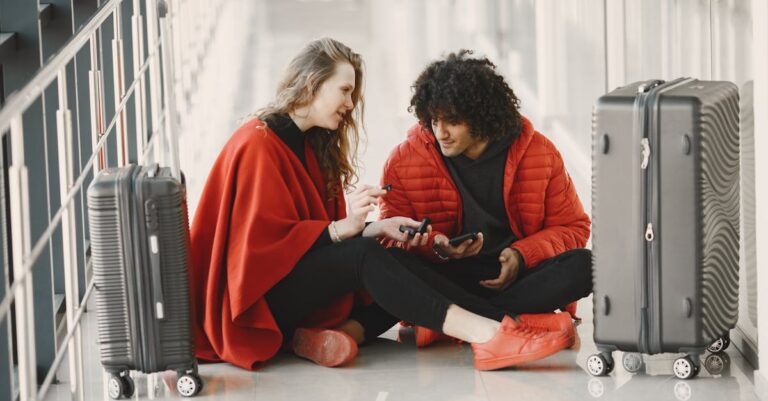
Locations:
{"points": [[7, 44], [39, 247], [20, 100], [65, 344]]}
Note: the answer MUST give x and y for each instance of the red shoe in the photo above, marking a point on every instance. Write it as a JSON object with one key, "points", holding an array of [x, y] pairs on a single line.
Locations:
{"points": [[425, 336], [557, 322], [517, 343], [324, 347]]}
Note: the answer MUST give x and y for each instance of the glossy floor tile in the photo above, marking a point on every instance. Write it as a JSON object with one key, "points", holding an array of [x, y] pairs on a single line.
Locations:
{"points": [[391, 368]]}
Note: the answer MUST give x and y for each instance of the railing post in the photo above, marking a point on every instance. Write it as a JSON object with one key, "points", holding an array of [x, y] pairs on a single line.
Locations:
{"points": [[23, 297], [71, 287], [96, 95], [171, 124], [139, 94], [119, 87], [155, 89]]}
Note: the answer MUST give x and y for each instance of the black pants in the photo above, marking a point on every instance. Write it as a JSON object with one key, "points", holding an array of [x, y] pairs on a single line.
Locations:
{"points": [[410, 292], [404, 287], [553, 284]]}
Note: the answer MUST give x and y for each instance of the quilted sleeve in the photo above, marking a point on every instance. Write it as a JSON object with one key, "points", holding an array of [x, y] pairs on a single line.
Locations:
{"points": [[566, 226], [396, 203]]}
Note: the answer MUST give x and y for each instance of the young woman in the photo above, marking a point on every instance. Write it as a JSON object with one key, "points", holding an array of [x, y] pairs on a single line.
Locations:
{"points": [[279, 259]]}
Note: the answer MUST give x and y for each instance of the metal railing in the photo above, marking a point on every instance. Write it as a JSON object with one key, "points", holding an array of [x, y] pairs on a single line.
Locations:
{"points": [[169, 30]]}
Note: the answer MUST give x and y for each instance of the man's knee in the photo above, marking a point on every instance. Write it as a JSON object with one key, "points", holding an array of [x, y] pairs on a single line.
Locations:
{"points": [[580, 265], [584, 257]]}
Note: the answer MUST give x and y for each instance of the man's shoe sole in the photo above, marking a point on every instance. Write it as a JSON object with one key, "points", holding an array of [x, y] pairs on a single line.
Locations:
{"points": [[505, 362]]}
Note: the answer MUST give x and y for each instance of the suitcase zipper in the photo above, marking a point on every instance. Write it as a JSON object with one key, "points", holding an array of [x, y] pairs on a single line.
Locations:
{"points": [[641, 124], [651, 335], [148, 337], [653, 311], [132, 275]]}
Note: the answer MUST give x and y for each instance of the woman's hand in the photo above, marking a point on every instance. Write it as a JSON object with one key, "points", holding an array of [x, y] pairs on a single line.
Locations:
{"points": [[390, 228], [360, 202]]}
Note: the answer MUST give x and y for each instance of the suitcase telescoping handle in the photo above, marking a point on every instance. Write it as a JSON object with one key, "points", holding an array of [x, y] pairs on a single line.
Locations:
{"points": [[154, 259], [647, 86]]}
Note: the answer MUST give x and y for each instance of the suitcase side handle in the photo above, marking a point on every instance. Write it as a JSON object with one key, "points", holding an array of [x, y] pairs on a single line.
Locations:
{"points": [[157, 283], [150, 212]]}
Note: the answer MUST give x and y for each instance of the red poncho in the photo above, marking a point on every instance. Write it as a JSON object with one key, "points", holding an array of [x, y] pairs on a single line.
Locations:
{"points": [[259, 213]]}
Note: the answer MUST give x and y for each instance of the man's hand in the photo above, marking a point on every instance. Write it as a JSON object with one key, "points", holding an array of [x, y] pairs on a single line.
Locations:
{"points": [[390, 228], [467, 248], [510, 268]]}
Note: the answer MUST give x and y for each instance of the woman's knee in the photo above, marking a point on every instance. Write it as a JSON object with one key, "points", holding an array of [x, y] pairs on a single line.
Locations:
{"points": [[362, 247]]}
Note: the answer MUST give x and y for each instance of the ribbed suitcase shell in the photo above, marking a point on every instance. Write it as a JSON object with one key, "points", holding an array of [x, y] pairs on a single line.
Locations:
{"points": [[679, 291], [130, 335]]}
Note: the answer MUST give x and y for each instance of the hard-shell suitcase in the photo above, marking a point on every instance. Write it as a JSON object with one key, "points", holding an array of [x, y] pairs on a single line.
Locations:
{"points": [[665, 208], [139, 245]]}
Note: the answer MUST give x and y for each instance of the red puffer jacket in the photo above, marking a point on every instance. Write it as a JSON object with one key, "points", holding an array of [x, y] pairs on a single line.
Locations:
{"points": [[544, 211]]}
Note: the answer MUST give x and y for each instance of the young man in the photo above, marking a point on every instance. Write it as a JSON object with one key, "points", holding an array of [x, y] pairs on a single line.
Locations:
{"points": [[474, 165]]}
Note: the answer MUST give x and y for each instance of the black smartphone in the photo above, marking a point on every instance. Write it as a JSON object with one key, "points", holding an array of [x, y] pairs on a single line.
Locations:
{"points": [[413, 231], [461, 238]]}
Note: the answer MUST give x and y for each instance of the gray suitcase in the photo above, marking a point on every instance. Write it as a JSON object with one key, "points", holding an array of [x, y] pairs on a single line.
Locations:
{"points": [[139, 245], [665, 208]]}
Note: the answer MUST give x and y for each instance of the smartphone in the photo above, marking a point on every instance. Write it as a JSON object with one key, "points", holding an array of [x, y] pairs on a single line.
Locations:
{"points": [[413, 231], [461, 238]]}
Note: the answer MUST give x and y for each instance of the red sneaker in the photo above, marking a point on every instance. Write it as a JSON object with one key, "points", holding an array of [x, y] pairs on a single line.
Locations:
{"points": [[517, 343], [558, 322], [425, 336], [324, 347]]}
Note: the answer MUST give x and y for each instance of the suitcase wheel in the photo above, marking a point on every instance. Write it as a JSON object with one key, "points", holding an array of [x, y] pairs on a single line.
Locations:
{"points": [[717, 364], [719, 345], [189, 384], [632, 362], [120, 386], [599, 365], [684, 368]]}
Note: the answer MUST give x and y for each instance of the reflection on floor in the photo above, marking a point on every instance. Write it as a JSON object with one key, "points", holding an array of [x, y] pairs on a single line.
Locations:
{"points": [[393, 369]]}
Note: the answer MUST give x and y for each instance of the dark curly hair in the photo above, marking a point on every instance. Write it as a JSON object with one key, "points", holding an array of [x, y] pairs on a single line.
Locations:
{"points": [[463, 89]]}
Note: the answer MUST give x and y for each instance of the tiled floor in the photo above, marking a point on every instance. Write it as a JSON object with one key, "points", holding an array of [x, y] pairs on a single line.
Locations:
{"points": [[392, 369]]}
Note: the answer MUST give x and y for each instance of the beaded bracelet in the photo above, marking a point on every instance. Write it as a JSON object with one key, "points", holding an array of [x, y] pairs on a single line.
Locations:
{"points": [[335, 233]]}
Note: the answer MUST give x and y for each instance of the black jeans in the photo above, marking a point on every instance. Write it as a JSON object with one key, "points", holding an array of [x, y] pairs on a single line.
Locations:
{"points": [[405, 287], [553, 284], [401, 292]]}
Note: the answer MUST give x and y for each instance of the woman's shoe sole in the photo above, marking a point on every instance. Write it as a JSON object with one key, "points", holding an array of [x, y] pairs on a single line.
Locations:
{"points": [[326, 347]]}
